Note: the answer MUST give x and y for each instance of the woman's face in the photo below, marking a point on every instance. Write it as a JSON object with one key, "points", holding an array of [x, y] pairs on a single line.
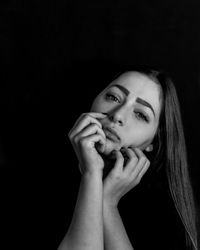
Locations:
{"points": [[132, 104]]}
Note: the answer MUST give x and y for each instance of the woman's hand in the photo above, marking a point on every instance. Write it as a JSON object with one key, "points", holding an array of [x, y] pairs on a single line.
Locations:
{"points": [[85, 134], [124, 176]]}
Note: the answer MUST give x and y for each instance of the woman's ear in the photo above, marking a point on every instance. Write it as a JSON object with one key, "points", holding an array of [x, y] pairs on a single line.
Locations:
{"points": [[149, 148]]}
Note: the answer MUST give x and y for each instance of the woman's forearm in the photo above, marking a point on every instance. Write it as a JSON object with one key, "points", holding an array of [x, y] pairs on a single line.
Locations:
{"points": [[86, 229], [115, 236]]}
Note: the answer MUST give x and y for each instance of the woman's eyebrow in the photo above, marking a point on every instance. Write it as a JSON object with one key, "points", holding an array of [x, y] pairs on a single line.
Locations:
{"points": [[124, 90], [145, 103], [138, 100]]}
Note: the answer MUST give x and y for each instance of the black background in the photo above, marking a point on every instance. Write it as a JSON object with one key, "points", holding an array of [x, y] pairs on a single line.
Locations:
{"points": [[55, 57]]}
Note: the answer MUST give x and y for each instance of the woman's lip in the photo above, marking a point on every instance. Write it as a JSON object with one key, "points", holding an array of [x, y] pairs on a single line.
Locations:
{"points": [[111, 134]]}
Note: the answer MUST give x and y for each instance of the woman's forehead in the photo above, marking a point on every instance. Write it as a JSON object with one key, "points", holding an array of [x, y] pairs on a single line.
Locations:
{"points": [[133, 79], [137, 83]]}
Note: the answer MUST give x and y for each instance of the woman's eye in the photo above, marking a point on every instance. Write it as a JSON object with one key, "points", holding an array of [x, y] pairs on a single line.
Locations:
{"points": [[141, 116], [112, 98]]}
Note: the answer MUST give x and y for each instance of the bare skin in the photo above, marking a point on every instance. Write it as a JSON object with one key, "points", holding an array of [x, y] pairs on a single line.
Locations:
{"points": [[117, 126]]}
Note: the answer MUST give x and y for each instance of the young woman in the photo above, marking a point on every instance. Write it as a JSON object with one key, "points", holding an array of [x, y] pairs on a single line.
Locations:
{"points": [[132, 139]]}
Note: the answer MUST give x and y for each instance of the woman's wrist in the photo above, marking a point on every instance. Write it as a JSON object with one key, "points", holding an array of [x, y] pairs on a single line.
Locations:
{"points": [[110, 203], [97, 174], [90, 170]]}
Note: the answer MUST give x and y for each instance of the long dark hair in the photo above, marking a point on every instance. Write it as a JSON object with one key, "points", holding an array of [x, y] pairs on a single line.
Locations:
{"points": [[170, 151]]}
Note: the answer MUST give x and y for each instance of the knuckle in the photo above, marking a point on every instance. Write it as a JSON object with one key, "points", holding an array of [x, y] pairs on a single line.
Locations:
{"points": [[143, 158], [83, 142], [76, 139], [94, 126], [137, 181], [134, 158], [117, 175], [84, 116], [148, 162], [69, 134], [88, 115], [69, 137], [81, 117], [130, 153]]}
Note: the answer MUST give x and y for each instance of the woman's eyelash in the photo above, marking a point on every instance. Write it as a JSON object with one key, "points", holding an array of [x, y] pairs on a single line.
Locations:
{"points": [[140, 115], [112, 97]]}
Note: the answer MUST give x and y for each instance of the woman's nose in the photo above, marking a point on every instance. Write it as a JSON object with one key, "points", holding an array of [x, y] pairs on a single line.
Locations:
{"points": [[118, 117]]}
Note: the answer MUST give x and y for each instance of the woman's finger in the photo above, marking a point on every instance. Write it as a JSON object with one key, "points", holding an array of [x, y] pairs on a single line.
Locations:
{"points": [[84, 120], [131, 161], [141, 161], [89, 130], [89, 141], [141, 156], [139, 153], [143, 170], [119, 163]]}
